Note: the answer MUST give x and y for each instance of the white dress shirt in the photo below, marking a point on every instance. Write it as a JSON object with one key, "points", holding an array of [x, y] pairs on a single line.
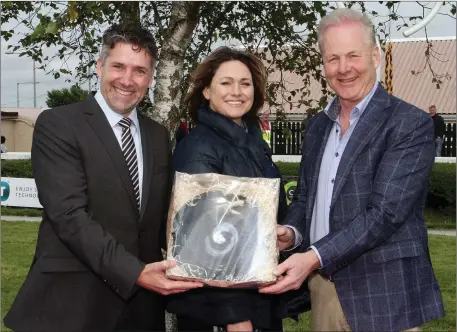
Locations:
{"points": [[113, 119]]}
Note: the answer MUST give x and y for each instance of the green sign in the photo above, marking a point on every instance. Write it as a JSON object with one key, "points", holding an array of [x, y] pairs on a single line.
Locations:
{"points": [[290, 189], [5, 191]]}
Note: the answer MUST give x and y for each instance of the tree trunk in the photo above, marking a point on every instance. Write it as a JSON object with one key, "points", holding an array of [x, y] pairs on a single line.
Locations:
{"points": [[167, 94]]}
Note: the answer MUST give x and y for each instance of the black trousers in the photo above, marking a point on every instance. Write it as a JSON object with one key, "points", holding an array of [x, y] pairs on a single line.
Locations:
{"points": [[138, 316], [186, 324]]}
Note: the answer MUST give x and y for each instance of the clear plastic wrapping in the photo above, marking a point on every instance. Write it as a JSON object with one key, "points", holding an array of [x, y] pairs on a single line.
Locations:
{"points": [[222, 229]]}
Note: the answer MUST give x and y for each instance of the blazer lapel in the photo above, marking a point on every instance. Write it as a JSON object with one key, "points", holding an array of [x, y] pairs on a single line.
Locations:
{"points": [[146, 139], [97, 120], [321, 137], [369, 123]]}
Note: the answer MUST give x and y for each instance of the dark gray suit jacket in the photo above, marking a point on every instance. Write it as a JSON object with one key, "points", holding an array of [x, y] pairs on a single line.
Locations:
{"points": [[377, 249], [93, 242]]}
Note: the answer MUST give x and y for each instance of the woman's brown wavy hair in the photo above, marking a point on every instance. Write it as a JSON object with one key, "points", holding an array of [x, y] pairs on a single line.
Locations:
{"points": [[203, 75]]}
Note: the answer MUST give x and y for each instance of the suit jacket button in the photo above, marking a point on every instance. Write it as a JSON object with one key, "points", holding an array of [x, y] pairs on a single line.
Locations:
{"points": [[140, 234]]}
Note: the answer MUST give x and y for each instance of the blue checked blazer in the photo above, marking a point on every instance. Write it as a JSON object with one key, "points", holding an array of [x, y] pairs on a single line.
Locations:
{"points": [[377, 248]]}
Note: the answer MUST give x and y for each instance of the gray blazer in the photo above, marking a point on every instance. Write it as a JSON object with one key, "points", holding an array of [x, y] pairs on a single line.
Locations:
{"points": [[376, 251]]}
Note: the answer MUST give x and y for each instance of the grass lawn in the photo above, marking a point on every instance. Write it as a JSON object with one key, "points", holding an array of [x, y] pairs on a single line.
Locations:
{"points": [[18, 245], [442, 252]]}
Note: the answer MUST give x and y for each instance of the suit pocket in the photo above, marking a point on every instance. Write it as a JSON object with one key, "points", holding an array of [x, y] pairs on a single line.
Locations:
{"points": [[392, 251], [60, 264]]}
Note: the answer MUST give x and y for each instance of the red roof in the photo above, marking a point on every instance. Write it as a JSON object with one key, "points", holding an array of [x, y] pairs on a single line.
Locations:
{"points": [[418, 89]]}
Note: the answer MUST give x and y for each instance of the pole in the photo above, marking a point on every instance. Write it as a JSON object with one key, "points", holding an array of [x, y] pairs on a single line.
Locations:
{"points": [[34, 85], [17, 84], [435, 10]]}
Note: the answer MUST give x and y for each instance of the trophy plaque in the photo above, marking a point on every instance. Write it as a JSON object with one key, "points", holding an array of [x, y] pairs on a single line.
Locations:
{"points": [[221, 229]]}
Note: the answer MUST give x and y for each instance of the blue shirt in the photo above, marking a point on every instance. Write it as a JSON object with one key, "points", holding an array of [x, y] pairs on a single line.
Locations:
{"points": [[334, 149]]}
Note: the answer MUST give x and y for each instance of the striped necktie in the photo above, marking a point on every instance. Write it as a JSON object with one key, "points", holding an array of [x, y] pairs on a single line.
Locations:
{"points": [[128, 148]]}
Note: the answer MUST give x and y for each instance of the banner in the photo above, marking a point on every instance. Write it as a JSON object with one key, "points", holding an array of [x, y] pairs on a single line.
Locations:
{"points": [[19, 192]]}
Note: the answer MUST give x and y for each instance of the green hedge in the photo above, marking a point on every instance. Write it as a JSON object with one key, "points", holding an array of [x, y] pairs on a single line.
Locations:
{"points": [[288, 169], [442, 181], [441, 191], [23, 168], [17, 168]]}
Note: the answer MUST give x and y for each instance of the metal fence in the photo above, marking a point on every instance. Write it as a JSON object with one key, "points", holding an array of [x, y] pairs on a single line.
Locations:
{"points": [[449, 145], [286, 138]]}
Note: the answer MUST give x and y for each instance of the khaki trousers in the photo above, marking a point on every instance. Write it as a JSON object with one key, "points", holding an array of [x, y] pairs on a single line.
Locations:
{"points": [[326, 311]]}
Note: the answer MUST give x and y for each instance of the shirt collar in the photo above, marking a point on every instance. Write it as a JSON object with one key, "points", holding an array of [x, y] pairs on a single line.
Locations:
{"points": [[113, 117], [333, 107]]}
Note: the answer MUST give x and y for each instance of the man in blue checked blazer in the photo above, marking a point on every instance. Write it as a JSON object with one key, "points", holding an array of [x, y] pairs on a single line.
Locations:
{"points": [[358, 211]]}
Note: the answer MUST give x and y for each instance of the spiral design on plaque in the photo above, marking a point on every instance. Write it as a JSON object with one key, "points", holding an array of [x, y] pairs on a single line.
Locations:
{"points": [[212, 233], [221, 240]]}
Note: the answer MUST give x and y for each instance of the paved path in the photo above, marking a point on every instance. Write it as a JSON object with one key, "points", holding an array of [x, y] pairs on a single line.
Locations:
{"points": [[448, 232], [21, 218]]}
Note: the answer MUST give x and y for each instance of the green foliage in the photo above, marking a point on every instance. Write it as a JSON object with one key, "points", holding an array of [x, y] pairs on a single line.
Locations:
{"points": [[267, 29], [438, 219], [20, 211], [17, 168], [288, 169], [282, 33], [65, 96], [442, 185]]}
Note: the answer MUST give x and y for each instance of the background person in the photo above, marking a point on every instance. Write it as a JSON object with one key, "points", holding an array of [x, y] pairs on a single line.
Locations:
{"points": [[3, 145], [440, 129]]}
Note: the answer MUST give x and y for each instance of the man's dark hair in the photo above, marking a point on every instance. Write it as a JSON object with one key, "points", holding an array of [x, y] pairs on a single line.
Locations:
{"points": [[136, 35], [3, 139]]}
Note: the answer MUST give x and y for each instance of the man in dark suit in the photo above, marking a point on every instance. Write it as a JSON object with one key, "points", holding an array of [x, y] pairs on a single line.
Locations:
{"points": [[359, 204], [103, 177]]}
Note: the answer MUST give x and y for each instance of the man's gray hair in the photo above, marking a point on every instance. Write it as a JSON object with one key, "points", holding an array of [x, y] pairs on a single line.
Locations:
{"points": [[341, 16]]}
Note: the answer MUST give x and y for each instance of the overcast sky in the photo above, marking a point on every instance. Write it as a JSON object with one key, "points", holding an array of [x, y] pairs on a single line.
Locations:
{"points": [[20, 70]]}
